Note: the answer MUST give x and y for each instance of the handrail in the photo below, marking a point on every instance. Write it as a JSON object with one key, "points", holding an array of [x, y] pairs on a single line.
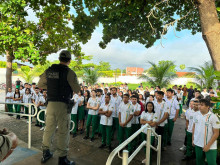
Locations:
{"points": [[148, 144], [38, 118], [21, 114]]}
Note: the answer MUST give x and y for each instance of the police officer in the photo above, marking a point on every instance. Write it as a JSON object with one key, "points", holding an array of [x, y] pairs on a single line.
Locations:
{"points": [[60, 82]]}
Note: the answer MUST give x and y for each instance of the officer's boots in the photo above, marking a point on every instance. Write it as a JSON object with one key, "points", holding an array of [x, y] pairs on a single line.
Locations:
{"points": [[65, 161], [46, 156]]}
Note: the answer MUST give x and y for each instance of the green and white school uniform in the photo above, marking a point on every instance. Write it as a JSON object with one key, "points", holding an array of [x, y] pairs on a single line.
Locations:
{"points": [[126, 111], [10, 106], [81, 110], [135, 125], [191, 114], [42, 100], [180, 96], [36, 98], [99, 117], [106, 123], [26, 99], [17, 107], [203, 132], [146, 116], [160, 110], [93, 117], [74, 112], [115, 101], [173, 106]]}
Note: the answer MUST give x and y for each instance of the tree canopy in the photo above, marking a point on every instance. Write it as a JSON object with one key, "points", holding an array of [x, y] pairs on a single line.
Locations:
{"points": [[133, 20]]}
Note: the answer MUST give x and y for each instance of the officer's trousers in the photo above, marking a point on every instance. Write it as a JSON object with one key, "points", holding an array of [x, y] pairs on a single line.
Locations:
{"points": [[57, 116]]}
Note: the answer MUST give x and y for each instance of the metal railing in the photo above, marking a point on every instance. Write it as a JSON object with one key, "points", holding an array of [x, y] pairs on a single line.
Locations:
{"points": [[29, 115], [42, 110], [125, 159]]}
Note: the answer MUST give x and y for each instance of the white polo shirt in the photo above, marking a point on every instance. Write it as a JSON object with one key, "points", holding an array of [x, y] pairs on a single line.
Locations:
{"points": [[42, 100], [160, 110], [104, 119], [93, 103], [16, 96], [9, 94], [135, 119], [27, 99], [36, 97], [173, 106], [126, 111], [75, 107], [146, 116], [203, 132], [180, 96], [191, 114], [116, 101]]}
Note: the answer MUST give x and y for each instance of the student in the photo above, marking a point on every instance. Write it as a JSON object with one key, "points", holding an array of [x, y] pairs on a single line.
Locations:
{"points": [[116, 101], [141, 99], [189, 126], [99, 97], [191, 104], [42, 105], [74, 114], [205, 133], [81, 113], [125, 116], [106, 121], [148, 117], [9, 99], [27, 99], [35, 99], [179, 98], [173, 115], [135, 125], [17, 99], [93, 106], [161, 109]]}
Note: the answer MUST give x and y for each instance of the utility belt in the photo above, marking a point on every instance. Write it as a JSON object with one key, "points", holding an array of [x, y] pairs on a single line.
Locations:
{"points": [[70, 103]]}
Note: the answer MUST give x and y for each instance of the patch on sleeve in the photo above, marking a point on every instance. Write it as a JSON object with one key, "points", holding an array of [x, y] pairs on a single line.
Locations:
{"points": [[217, 122]]}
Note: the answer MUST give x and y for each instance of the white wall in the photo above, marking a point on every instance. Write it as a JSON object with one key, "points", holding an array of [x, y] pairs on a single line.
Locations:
{"points": [[123, 79]]}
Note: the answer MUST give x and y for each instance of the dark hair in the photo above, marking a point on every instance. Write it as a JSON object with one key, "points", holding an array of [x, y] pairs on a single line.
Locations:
{"points": [[88, 96], [106, 89], [18, 92], [146, 110], [158, 86], [108, 94], [64, 59], [81, 92], [33, 83], [179, 89], [152, 96], [93, 90], [206, 102], [170, 90], [160, 93], [134, 96], [36, 88], [126, 95], [28, 90], [198, 91]]}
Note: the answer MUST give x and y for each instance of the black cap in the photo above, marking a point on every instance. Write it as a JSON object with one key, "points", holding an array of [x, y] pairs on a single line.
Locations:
{"points": [[65, 54]]}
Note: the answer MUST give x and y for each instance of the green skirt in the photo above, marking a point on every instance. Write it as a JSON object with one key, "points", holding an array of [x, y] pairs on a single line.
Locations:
{"points": [[81, 113]]}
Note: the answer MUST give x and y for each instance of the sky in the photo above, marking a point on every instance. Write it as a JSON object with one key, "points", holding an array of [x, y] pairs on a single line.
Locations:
{"points": [[185, 49]]}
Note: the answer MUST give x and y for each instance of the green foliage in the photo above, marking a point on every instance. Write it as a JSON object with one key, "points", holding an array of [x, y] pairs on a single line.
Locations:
{"points": [[14, 65], [160, 74], [204, 75], [103, 66], [130, 20], [27, 74], [171, 69], [39, 69], [34, 40], [90, 76], [106, 73], [183, 66]]}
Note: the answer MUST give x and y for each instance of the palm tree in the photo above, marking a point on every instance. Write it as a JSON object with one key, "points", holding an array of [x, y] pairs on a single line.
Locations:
{"points": [[90, 76], [205, 75], [27, 74], [160, 74]]}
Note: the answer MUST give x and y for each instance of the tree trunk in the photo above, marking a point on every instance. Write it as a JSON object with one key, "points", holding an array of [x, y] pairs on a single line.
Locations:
{"points": [[210, 29], [9, 59]]}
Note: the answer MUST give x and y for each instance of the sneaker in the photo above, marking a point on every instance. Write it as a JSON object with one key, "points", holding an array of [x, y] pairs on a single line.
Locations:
{"points": [[42, 128], [102, 146], [86, 137], [92, 139], [46, 156], [65, 161], [183, 148]]}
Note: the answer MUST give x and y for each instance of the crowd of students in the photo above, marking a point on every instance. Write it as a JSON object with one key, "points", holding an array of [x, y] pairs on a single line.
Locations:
{"points": [[118, 112]]}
